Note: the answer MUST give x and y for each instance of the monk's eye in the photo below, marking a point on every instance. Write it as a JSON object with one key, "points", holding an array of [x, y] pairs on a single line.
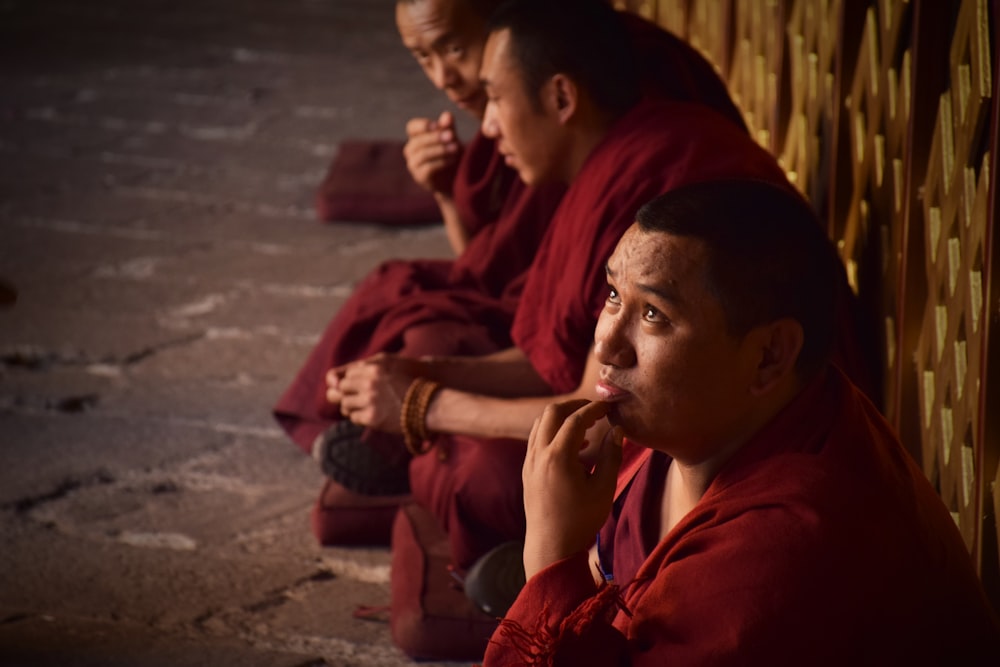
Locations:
{"points": [[613, 296], [651, 314], [456, 51]]}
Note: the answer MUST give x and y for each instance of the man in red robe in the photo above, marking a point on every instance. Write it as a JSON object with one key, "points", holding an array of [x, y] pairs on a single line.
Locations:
{"points": [[460, 307], [778, 521], [574, 116]]}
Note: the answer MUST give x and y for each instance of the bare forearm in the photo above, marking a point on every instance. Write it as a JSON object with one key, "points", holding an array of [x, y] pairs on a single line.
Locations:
{"points": [[508, 416], [504, 374], [459, 412]]}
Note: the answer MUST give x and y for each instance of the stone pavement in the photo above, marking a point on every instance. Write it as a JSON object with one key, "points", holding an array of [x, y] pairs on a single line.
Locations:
{"points": [[158, 161]]}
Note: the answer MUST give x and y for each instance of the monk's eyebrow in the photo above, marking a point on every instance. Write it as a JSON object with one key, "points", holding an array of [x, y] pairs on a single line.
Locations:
{"points": [[443, 40], [667, 293]]}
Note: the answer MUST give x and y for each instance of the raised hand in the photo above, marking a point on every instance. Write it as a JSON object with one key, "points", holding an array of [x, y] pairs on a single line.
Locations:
{"points": [[569, 484], [432, 152]]}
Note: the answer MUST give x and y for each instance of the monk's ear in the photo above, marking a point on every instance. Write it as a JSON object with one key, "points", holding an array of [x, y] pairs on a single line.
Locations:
{"points": [[778, 344], [563, 96]]}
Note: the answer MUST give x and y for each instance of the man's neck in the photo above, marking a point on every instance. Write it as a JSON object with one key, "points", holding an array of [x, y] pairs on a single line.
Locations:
{"points": [[591, 127], [695, 476]]}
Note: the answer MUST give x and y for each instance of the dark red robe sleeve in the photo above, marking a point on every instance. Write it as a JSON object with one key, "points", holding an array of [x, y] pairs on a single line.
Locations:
{"points": [[560, 618]]}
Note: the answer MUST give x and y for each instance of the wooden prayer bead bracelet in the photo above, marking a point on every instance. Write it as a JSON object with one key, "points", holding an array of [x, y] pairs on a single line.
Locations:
{"points": [[413, 416]]}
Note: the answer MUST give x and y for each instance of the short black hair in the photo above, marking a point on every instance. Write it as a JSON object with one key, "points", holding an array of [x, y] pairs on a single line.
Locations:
{"points": [[481, 7], [768, 257], [584, 39]]}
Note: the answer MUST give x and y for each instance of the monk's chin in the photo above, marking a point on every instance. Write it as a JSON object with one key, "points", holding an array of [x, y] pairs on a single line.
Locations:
{"points": [[629, 432], [616, 418]]}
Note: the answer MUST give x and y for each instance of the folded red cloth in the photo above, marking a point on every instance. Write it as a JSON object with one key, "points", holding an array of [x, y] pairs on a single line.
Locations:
{"points": [[368, 182]]}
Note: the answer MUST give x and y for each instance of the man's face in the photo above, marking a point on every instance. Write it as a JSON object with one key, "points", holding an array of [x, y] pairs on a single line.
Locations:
{"points": [[677, 380], [446, 37], [529, 137]]}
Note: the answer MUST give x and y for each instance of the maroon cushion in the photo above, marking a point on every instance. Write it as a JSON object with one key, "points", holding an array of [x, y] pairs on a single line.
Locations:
{"points": [[341, 517], [430, 618], [368, 182]]}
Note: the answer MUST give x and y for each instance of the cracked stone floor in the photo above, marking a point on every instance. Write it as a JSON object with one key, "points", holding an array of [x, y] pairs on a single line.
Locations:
{"points": [[158, 162]]}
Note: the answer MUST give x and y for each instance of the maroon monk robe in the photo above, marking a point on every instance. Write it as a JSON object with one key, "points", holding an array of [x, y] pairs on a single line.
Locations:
{"points": [[671, 69], [476, 491], [820, 543], [461, 306]]}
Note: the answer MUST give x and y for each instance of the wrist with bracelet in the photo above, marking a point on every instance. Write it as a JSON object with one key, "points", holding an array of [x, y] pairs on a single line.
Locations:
{"points": [[413, 415]]}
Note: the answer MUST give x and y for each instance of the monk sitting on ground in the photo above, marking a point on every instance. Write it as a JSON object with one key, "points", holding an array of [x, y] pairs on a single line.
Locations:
{"points": [[460, 307], [778, 520], [562, 108]]}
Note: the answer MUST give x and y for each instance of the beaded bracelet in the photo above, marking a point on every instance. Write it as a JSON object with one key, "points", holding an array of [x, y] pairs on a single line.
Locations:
{"points": [[413, 416]]}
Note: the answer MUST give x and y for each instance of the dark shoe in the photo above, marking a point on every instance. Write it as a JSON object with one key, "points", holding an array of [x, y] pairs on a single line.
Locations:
{"points": [[364, 461], [493, 581]]}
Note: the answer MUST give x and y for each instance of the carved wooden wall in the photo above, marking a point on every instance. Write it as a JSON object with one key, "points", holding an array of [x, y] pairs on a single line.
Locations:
{"points": [[884, 114]]}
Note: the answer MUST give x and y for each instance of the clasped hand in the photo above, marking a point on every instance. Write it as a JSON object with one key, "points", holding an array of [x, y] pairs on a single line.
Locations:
{"points": [[569, 482], [432, 152], [370, 392]]}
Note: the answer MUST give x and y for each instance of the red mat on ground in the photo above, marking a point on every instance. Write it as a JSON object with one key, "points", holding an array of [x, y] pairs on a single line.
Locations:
{"points": [[368, 182]]}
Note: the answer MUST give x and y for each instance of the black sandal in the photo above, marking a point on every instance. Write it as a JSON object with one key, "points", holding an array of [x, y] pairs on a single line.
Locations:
{"points": [[368, 462], [494, 581]]}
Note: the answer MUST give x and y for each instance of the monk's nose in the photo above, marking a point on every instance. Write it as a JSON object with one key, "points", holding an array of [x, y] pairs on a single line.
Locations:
{"points": [[490, 127], [612, 345], [438, 72], [443, 74]]}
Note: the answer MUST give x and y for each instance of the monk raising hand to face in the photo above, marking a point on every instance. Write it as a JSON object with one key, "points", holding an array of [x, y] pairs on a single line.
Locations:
{"points": [[432, 154], [432, 151], [569, 482]]}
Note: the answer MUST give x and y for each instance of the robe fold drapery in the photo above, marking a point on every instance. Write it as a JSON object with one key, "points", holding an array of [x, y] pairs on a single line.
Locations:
{"points": [[819, 543]]}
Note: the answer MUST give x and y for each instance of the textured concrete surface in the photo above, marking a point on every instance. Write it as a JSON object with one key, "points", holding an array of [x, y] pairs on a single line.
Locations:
{"points": [[158, 161]]}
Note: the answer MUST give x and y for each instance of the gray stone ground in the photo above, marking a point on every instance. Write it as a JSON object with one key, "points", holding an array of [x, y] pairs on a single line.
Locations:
{"points": [[158, 160]]}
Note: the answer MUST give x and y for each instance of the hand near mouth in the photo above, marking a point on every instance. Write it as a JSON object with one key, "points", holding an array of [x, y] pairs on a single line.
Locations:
{"points": [[566, 503]]}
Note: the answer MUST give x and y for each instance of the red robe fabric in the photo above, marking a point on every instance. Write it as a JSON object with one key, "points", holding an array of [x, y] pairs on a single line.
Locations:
{"points": [[441, 307], [476, 490], [671, 69], [819, 543]]}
